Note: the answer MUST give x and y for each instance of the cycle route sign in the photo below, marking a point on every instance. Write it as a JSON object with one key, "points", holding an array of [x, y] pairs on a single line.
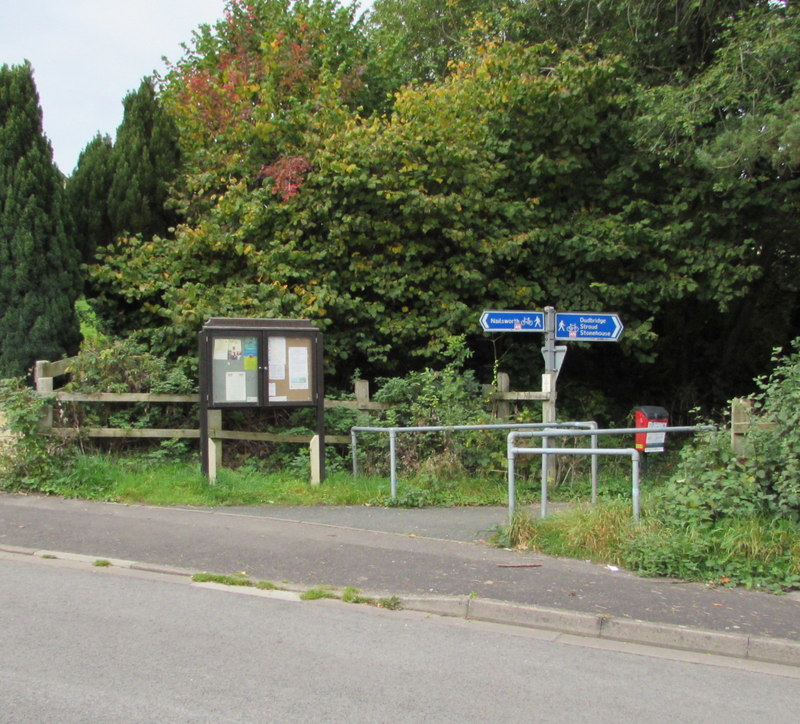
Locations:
{"points": [[569, 326]]}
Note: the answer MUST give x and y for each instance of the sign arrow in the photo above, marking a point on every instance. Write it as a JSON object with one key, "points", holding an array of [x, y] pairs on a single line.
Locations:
{"points": [[511, 320], [588, 326]]}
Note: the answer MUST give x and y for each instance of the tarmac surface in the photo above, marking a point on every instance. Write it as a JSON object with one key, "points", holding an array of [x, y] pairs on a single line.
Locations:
{"points": [[433, 559]]}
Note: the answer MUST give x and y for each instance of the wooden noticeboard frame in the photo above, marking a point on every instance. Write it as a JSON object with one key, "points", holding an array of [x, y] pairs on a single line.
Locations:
{"points": [[259, 363]]}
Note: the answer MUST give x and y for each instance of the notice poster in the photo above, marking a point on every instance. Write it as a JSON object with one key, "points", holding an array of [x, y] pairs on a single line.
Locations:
{"points": [[298, 368], [250, 352], [277, 358], [234, 369], [235, 387], [654, 441], [228, 349]]}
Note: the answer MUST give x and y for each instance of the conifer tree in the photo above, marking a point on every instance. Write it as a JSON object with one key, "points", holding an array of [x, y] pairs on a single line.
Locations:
{"points": [[145, 160], [39, 278], [87, 194]]}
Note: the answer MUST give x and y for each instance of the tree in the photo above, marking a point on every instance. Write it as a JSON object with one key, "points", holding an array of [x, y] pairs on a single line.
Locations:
{"points": [[39, 279], [418, 40], [660, 39], [730, 134], [252, 98], [146, 158], [87, 192]]}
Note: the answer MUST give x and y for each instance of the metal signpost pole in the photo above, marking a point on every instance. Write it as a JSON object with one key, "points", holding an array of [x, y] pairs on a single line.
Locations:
{"points": [[556, 327], [550, 366]]}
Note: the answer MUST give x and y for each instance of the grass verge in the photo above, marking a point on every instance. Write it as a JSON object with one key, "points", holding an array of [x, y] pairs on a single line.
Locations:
{"points": [[749, 551], [138, 480]]}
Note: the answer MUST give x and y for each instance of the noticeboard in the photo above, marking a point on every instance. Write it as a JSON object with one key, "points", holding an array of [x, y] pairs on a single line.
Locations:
{"points": [[260, 363]]}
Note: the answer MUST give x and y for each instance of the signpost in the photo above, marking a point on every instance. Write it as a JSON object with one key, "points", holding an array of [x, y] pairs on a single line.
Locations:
{"points": [[556, 326], [512, 321], [588, 326], [567, 326]]}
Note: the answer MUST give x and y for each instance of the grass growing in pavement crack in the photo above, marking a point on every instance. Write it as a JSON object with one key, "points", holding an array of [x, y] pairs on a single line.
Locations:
{"points": [[348, 594], [313, 594], [236, 580]]}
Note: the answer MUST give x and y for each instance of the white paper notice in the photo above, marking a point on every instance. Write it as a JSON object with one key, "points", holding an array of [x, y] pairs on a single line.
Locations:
{"points": [[235, 387], [273, 397], [276, 354], [298, 368]]}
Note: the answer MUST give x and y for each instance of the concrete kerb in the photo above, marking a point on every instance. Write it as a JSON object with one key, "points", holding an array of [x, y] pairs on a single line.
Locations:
{"points": [[601, 626], [742, 646]]}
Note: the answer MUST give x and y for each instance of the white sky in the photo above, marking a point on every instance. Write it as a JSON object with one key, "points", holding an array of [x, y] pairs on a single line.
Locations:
{"points": [[88, 54]]}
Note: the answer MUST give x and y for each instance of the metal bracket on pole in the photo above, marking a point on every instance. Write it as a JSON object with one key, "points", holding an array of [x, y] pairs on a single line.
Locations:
{"points": [[553, 353]]}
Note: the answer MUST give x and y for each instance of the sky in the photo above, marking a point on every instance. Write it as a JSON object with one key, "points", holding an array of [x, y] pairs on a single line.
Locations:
{"points": [[88, 54]]}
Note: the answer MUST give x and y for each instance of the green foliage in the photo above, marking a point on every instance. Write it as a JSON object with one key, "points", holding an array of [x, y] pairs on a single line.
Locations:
{"points": [[39, 278], [87, 194], [722, 519], [753, 552], [747, 551], [713, 484], [594, 155], [315, 594], [433, 398], [28, 460], [145, 159], [661, 39], [125, 365], [419, 41]]}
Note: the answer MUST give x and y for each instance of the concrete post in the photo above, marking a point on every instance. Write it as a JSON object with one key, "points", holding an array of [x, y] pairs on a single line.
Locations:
{"points": [[214, 418], [315, 455]]}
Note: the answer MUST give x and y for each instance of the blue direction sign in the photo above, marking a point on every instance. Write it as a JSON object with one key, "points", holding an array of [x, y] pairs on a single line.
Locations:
{"points": [[588, 326], [512, 321]]}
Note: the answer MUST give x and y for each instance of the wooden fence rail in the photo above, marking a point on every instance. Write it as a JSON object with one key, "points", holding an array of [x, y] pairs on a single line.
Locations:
{"points": [[742, 419], [46, 374]]}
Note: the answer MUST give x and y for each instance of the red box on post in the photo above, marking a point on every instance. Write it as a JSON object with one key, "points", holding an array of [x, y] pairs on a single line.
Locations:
{"points": [[650, 417]]}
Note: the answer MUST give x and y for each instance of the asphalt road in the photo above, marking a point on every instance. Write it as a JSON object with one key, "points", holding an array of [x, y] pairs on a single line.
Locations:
{"points": [[86, 644]]}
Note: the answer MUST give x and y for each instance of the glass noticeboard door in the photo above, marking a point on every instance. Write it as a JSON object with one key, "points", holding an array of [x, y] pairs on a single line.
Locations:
{"points": [[289, 369], [234, 370]]}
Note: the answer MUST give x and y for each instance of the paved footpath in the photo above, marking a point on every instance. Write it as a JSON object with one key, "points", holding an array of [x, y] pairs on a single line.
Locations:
{"points": [[433, 559]]}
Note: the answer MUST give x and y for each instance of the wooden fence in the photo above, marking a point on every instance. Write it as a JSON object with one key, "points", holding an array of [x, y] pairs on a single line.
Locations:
{"points": [[47, 373], [501, 396]]}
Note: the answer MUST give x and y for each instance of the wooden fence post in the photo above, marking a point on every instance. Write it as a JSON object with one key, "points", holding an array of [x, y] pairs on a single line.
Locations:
{"points": [[741, 412], [503, 407], [44, 386], [362, 393]]}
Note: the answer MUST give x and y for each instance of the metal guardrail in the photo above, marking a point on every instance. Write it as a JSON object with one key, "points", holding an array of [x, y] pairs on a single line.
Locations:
{"points": [[393, 432], [544, 450]]}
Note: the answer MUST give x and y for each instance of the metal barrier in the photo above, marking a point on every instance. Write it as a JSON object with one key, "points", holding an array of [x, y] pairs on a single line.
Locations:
{"points": [[587, 427], [594, 451]]}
